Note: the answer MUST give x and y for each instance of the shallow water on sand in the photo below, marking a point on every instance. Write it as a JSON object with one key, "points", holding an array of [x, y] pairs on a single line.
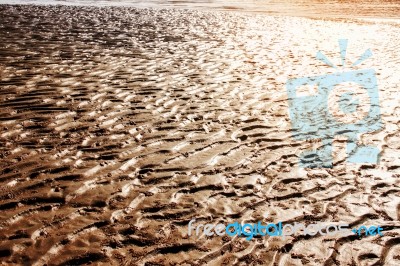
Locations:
{"points": [[120, 125], [312, 8]]}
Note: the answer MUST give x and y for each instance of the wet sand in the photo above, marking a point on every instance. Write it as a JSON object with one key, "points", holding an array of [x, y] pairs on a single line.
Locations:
{"points": [[309, 8], [120, 125]]}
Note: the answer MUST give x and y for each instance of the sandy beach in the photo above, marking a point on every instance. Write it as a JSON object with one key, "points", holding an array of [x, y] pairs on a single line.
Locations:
{"points": [[120, 125]]}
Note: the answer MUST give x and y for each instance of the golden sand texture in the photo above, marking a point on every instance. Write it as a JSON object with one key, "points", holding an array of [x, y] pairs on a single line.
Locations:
{"points": [[120, 125]]}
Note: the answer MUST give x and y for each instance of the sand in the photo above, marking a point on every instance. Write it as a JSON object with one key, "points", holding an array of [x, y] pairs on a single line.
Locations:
{"points": [[120, 125]]}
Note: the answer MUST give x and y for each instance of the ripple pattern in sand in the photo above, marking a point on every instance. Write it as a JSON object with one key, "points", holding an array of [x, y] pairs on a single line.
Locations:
{"points": [[119, 125]]}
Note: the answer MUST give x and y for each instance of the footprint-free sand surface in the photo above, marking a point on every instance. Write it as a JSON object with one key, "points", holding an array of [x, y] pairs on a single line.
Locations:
{"points": [[120, 125]]}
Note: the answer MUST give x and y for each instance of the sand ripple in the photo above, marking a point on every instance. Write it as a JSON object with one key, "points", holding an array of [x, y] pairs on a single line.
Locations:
{"points": [[118, 126]]}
